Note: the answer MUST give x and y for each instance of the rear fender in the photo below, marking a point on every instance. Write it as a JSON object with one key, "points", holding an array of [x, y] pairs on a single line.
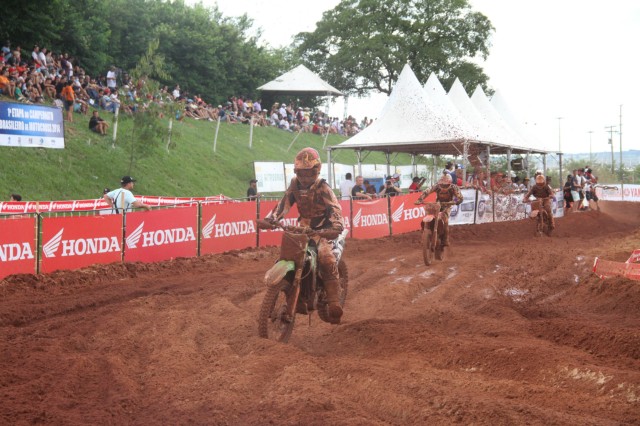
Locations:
{"points": [[278, 272]]}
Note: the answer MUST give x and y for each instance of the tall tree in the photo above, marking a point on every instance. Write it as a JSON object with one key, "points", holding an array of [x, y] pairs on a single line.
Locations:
{"points": [[361, 45]]}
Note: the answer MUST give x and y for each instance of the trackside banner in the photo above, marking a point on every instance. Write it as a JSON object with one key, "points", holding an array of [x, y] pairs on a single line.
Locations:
{"points": [[405, 215], [370, 219], [226, 227], [463, 213], [73, 242], [161, 234], [615, 192], [31, 126], [345, 205], [274, 237], [17, 246]]}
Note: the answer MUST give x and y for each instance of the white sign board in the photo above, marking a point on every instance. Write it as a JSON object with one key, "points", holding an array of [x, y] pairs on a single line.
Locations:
{"points": [[270, 176]]}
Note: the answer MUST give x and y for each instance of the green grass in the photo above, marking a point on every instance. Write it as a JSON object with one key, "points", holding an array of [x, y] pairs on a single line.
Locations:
{"points": [[189, 169]]}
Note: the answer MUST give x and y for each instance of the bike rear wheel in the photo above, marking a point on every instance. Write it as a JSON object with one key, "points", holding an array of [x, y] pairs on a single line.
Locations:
{"points": [[273, 321], [428, 246]]}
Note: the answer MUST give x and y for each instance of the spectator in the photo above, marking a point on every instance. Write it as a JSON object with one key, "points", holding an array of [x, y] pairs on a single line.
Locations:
{"points": [[346, 186], [389, 189], [359, 192], [524, 186], [566, 189], [123, 197], [416, 183], [111, 78], [97, 124], [15, 197], [576, 189], [68, 97], [589, 188], [176, 92], [370, 189], [252, 191]]}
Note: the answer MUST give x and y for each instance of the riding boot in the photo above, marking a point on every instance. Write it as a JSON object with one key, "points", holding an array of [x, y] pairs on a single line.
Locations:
{"points": [[334, 309]]}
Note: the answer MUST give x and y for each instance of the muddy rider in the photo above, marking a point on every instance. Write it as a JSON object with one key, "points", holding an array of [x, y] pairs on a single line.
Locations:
{"points": [[542, 190], [446, 192], [319, 210]]}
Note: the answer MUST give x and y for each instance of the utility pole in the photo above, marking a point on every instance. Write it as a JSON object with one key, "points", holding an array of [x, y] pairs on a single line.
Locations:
{"points": [[590, 152], [610, 128], [559, 152], [621, 171]]}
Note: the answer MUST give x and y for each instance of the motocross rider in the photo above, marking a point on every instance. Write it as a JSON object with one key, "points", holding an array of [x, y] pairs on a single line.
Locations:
{"points": [[542, 190], [319, 210], [446, 192]]}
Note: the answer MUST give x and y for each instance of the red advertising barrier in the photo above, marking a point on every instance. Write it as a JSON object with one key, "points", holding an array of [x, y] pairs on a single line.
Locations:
{"points": [[406, 216], [370, 219], [74, 242], [229, 226], [17, 246], [161, 234], [273, 238]]}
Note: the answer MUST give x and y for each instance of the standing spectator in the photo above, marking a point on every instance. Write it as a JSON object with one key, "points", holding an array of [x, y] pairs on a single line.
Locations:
{"points": [[589, 188], [176, 92], [257, 106], [389, 189], [416, 183], [97, 124], [123, 197], [346, 186], [370, 189], [359, 192], [576, 189], [566, 190], [68, 97], [252, 191], [111, 78]]}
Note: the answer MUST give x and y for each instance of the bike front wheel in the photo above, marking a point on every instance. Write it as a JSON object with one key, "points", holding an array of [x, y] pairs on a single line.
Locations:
{"points": [[274, 322], [428, 243]]}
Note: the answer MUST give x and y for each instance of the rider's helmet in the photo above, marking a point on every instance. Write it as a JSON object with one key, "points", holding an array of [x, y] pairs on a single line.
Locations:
{"points": [[307, 166], [445, 179], [540, 180]]}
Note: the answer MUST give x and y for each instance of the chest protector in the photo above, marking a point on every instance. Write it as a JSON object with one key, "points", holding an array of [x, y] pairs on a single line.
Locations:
{"points": [[311, 205], [444, 194]]}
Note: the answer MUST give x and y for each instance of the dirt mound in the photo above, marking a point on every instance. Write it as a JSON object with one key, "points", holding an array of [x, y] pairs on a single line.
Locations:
{"points": [[508, 329]]}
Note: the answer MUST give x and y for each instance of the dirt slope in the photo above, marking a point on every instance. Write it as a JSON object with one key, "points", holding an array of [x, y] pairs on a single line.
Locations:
{"points": [[507, 330]]}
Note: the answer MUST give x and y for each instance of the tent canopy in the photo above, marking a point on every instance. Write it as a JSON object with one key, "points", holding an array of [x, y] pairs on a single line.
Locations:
{"points": [[409, 123], [300, 80]]}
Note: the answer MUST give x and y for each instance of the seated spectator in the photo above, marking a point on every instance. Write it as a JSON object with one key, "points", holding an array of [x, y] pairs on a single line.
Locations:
{"points": [[97, 124]]}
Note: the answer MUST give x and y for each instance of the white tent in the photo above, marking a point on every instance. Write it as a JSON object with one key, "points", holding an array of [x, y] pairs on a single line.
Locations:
{"points": [[300, 80], [501, 106], [483, 130], [437, 97], [482, 104]]}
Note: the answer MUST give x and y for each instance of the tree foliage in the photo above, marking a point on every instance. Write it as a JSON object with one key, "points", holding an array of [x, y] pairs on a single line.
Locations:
{"points": [[362, 45]]}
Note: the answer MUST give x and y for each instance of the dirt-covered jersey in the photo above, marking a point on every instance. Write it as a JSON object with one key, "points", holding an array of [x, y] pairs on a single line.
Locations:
{"points": [[544, 191], [444, 193], [318, 206]]}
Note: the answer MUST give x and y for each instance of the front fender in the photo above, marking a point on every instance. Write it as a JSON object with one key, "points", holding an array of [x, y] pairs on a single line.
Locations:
{"points": [[278, 272]]}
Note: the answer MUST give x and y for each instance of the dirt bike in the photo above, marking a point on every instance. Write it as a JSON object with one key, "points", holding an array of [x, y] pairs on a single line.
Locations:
{"points": [[432, 236], [293, 284], [543, 221]]}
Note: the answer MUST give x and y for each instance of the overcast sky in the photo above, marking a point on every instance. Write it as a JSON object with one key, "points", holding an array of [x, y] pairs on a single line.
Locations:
{"points": [[576, 59]]}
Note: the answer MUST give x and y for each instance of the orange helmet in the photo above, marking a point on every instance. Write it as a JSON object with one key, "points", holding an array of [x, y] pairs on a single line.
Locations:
{"points": [[307, 158]]}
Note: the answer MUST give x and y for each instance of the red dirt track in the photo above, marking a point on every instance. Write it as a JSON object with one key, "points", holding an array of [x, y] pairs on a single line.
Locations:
{"points": [[508, 329]]}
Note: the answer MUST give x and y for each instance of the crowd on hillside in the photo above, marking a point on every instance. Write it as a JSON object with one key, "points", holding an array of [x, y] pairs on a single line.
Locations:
{"points": [[41, 76]]}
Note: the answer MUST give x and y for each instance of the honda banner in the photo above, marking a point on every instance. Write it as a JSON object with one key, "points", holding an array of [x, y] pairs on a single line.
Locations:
{"points": [[346, 214], [17, 246], [274, 237], [370, 219], [74, 242], [161, 234], [405, 215], [230, 226]]}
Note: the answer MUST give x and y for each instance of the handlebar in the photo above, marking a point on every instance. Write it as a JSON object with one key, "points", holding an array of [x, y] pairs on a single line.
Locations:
{"points": [[537, 199], [324, 233]]}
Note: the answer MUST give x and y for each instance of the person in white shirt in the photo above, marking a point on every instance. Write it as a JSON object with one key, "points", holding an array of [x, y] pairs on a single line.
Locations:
{"points": [[346, 186], [111, 78]]}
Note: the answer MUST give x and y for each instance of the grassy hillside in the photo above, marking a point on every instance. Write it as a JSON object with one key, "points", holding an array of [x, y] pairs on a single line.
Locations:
{"points": [[189, 168]]}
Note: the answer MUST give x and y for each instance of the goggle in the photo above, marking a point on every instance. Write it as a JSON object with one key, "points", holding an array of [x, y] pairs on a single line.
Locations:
{"points": [[306, 172]]}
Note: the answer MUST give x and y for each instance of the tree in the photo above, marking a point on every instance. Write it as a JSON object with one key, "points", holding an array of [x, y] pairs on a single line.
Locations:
{"points": [[362, 45]]}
